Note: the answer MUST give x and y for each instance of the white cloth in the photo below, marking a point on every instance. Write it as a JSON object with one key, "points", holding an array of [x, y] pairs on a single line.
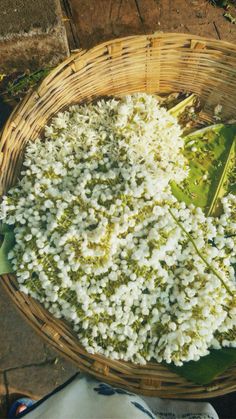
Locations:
{"points": [[86, 398]]}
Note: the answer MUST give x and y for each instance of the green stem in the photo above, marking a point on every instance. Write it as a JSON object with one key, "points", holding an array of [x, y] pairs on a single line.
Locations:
{"points": [[219, 189], [199, 253], [181, 106]]}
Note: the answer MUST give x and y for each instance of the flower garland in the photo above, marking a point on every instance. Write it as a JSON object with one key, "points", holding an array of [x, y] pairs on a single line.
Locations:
{"points": [[100, 238]]}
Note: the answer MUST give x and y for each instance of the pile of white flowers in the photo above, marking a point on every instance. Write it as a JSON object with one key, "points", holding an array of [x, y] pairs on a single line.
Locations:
{"points": [[102, 242]]}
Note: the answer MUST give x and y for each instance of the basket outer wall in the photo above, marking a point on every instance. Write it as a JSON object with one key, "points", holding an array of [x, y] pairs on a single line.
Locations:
{"points": [[159, 63]]}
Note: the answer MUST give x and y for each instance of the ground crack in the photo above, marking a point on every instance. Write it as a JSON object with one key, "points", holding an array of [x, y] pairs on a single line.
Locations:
{"points": [[40, 364], [139, 13]]}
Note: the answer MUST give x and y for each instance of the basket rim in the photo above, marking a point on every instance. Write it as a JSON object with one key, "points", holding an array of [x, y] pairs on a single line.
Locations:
{"points": [[82, 51], [78, 53]]}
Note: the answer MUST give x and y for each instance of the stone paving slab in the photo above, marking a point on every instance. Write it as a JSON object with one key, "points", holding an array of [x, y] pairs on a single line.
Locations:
{"points": [[38, 380], [29, 363], [2, 385], [32, 34], [19, 344], [2, 396], [19, 16]]}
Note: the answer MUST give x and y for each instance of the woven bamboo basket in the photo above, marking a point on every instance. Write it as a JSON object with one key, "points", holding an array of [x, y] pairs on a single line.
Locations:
{"points": [[160, 63]]}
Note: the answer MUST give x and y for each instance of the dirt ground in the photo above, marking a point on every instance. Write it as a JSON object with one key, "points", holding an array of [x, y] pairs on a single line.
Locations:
{"points": [[95, 21]]}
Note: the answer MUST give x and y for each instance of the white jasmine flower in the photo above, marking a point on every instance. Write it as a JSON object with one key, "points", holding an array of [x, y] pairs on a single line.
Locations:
{"points": [[97, 245]]}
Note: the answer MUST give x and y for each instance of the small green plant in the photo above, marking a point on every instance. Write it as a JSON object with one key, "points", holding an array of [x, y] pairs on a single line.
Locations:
{"points": [[227, 5], [25, 82]]}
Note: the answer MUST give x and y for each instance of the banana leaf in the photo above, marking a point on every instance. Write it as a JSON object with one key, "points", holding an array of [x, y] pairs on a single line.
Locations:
{"points": [[208, 367], [7, 242], [211, 156]]}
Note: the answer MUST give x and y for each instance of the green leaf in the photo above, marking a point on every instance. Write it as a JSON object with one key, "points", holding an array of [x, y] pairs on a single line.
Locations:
{"points": [[7, 245], [211, 156], [5, 228], [208, 367], [210, 153]]}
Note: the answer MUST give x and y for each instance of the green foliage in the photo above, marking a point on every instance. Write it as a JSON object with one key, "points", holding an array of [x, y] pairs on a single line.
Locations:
{"points": [[227, 5], [25, 82]]}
